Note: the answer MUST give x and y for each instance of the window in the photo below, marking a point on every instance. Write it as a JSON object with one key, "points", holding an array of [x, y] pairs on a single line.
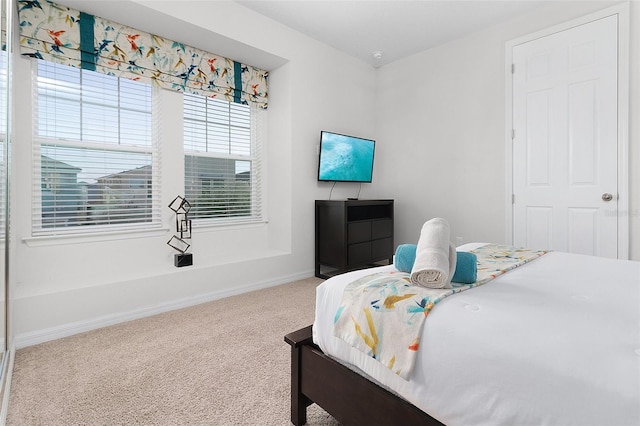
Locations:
{"points": [[96, 164], [222, 160], [3, 136]]}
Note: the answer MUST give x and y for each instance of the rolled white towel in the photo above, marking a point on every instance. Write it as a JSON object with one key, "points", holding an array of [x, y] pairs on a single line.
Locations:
{"points": [[435, 256]]}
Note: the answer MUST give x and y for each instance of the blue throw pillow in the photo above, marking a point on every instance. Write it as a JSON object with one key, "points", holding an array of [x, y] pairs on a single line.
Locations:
{"points": [[466, 263]]}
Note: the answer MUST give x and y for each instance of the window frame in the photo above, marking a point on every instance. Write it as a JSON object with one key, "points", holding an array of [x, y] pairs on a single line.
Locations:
{"points": [[153, 149], [257, 129]]}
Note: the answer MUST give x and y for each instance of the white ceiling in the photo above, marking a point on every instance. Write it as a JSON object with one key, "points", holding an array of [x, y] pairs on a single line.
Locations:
{"points": [[397, 28]]}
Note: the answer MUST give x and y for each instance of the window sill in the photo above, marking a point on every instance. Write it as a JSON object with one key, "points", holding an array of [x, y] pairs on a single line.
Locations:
{"points": [[52, 240], [209, 226]]}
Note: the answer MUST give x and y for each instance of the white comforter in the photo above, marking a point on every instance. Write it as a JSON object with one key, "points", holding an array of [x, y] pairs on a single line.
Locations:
{"points": [[554, 342]]}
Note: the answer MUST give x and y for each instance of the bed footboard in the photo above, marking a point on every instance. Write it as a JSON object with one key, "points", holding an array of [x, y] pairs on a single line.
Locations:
{"points": [[349, 397], [299, 402]]}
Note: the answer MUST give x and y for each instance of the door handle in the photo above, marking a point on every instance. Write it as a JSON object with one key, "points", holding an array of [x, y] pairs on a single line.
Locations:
{"points": [[607, 197]]}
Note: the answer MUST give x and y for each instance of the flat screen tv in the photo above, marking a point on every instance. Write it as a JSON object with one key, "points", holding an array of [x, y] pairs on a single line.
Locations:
{"points": [[345, 158]]}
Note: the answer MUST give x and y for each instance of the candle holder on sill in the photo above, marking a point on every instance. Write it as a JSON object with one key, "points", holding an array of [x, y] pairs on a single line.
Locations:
{"points": [[181, 207]]}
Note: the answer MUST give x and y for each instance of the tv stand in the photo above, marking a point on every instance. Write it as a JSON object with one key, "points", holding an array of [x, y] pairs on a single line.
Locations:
{"points": [[352, 234]]}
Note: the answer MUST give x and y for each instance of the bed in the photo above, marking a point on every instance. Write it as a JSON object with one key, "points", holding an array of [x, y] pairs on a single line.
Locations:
{"points": [[555, 341]]}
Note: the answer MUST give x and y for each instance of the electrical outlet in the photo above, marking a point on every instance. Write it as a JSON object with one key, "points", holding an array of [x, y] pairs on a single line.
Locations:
{"points": [[458, 241]]}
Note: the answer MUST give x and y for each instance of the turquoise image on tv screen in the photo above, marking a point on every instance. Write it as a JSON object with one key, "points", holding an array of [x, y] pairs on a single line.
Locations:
{"points": [[345, 158]]}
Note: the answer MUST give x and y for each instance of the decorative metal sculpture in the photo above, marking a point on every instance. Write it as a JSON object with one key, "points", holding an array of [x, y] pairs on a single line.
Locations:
{"points": [[181, 207]]}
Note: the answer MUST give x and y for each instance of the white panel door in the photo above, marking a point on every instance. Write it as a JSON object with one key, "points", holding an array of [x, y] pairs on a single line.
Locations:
{"points": [[565, 140]]}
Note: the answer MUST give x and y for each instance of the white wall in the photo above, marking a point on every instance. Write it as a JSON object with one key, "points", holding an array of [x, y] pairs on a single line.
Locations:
{"points": [[63, 286], [442, 136], [440, 152]]}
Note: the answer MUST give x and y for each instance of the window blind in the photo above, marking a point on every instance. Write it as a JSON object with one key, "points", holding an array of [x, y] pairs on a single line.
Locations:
{"points": [[3, 137], [96, 159], [222, 142]]}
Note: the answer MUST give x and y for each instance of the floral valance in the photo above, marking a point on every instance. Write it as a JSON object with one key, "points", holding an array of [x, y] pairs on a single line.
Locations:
{"points": [[66, 36]]}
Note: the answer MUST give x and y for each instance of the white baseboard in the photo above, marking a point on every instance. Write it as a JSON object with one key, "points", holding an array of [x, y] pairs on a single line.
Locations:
{"points": [[31, 338]]}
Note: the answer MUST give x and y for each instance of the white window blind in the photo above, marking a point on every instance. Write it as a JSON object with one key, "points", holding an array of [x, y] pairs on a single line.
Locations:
{"points": [[222, 143], [3, 137], [96, 160]]}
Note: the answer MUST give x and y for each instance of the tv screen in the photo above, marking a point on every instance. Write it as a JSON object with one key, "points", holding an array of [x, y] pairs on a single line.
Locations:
{"points": [[345, 158]]}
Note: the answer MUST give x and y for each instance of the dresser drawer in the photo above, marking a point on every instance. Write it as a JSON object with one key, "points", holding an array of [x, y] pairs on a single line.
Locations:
{"points": [[382, 249], [359, 254], [381, 228], [359, 232]]}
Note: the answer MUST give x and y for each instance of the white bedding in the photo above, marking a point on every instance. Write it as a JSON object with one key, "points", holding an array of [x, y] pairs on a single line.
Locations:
{"points": [[553, 342]]}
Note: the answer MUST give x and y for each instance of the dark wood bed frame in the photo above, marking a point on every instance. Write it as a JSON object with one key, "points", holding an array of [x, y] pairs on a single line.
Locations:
{"points": [[349, 397]]}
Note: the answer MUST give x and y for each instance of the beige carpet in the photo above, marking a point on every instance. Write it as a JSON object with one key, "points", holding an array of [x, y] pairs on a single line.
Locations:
{"points": [[219, 363]]}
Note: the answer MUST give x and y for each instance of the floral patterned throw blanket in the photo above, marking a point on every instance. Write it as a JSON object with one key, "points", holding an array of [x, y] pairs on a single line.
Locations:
{"points": [[383, 314]]}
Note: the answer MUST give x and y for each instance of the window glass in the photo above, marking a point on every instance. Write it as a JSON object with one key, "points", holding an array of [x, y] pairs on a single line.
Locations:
{"points": [[94, 153], [222, 162]]}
